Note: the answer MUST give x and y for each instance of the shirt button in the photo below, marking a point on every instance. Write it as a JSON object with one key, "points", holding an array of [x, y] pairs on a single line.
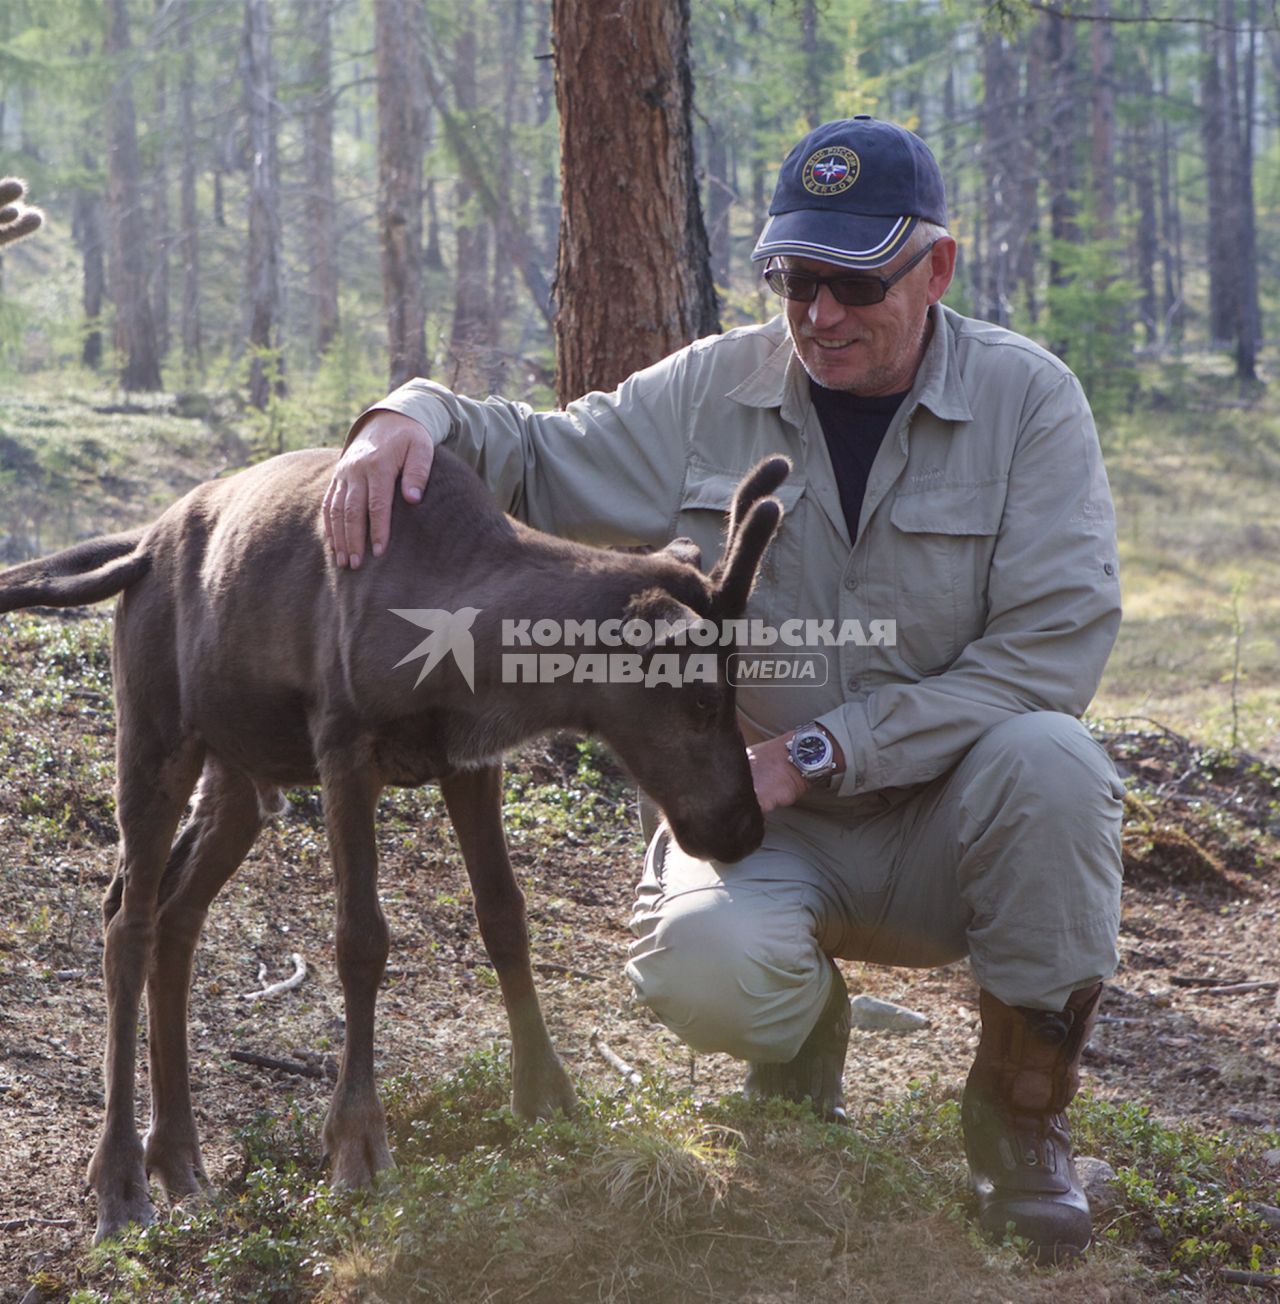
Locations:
{"points": [[853, 683], [851, 583], [859, 779], [1108, 569]]}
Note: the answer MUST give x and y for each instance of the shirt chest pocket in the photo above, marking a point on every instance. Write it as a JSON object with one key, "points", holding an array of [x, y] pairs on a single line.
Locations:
{"points": [[704, 514], [940, 548]]}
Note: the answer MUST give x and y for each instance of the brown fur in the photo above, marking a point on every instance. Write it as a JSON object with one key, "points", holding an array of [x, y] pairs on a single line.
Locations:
{"points": [[245, 659]]}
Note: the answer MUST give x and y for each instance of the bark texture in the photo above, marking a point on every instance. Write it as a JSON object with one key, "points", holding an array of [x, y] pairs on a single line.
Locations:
{"points": [[401, 142], [633, 279]]}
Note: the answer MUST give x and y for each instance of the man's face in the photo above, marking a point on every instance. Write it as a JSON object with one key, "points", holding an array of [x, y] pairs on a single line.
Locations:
{"points": [[875, 350]]}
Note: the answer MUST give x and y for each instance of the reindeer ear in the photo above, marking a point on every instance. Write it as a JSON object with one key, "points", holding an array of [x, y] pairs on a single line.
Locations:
{"points": [[761, 480], [742, 561], [659, 608], [684, 550]]}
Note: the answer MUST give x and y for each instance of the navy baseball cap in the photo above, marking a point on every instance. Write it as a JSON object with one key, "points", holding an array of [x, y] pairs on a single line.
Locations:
{"points": [[851, 192]]}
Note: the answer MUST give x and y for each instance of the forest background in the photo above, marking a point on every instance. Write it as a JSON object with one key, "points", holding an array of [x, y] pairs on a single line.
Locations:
{"points": [[261, 213]]}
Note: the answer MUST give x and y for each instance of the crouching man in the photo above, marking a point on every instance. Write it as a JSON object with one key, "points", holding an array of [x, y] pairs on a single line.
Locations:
{"points": [[944, 587]]}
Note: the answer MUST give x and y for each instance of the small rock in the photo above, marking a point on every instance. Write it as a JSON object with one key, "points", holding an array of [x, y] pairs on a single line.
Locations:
{"points": [[874, 1015], [1101, 1185], [1271, 1158], [1267, 1212], [1248, 1116]]}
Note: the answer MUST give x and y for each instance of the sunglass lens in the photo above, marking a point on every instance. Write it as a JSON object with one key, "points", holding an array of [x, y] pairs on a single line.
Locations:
{"points": [[856, 291], [791, 285]]}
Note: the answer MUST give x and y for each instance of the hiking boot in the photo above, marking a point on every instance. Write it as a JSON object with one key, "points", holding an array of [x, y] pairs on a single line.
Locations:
{"points": [[816, 1073], [1016, 1137]]}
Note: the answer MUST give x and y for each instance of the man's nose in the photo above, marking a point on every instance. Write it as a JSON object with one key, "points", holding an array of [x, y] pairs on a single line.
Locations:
{"points": [[824, 310]]}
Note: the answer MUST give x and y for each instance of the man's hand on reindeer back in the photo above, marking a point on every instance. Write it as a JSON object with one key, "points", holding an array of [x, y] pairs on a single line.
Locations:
{"points": [[357, 504]]}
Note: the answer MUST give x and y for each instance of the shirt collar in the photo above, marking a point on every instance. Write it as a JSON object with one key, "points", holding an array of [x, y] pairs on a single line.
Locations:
{"points": [[780, 381]]}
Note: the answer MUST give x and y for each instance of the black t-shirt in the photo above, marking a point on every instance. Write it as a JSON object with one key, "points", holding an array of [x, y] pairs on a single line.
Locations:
{"points": [[853, 425]]}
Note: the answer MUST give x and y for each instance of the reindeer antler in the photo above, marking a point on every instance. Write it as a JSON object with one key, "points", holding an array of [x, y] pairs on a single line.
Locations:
{"points": [[17, 219], [753, 520]]}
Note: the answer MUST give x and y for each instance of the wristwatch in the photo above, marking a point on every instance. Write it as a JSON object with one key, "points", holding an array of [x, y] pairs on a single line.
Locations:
{"points": [[813, 753]]}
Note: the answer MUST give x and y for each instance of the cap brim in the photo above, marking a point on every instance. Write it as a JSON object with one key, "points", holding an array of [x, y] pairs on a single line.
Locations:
{"points": [[847, 239]]}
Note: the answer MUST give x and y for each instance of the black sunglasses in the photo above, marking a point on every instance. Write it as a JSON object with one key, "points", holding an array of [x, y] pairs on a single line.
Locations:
{"points": [[851, 291]]}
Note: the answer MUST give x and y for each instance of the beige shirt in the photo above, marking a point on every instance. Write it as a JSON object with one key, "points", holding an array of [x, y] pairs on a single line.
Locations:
{"points": [[987, 531]]}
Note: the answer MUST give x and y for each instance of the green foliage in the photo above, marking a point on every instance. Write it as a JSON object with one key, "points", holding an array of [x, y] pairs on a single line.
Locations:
{"points": [[658, 1180], [1090, 323], [1190, 1188]]}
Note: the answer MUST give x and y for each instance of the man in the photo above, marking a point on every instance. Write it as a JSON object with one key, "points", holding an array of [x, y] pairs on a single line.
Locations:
{"points": [[935, 796]]}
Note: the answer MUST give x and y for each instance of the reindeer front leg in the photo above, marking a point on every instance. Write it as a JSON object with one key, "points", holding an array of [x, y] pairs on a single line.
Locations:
{"points": [[539, 1084], [355, 1131]]}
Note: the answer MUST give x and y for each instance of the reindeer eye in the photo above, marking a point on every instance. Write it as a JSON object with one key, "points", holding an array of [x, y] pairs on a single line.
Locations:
{"points": [[707, 702]]}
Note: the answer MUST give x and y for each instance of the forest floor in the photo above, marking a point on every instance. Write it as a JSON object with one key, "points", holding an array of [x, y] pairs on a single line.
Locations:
{"points": [[1189, 1026], [1182, 1075]]}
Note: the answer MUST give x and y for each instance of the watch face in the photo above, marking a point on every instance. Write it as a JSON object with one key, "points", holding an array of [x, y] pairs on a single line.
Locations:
{"points": [[812, 751]]}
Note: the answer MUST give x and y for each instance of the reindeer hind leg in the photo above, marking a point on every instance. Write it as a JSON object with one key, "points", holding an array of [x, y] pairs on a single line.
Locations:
{"points": [[156, 775], [223, 825]]}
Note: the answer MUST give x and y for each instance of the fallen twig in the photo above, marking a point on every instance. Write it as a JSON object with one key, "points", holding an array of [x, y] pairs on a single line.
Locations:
{"points": [[1146, 719], [285, 985], [1231, 989], [281, 1065], [545, 966], [611, 1057], [1199, 980], [12, 1224], [1239, 1277]]}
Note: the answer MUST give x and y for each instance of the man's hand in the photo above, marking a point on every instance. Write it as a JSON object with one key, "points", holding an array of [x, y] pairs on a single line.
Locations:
{"points": [[778, 783], [357, 503]]}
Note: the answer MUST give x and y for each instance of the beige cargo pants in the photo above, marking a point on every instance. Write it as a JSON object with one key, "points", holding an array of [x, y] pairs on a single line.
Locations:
{"points": [[1012, 858]]}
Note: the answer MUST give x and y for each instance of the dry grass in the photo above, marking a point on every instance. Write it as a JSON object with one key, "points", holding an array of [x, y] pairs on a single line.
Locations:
{"points": [[1197, 490]]}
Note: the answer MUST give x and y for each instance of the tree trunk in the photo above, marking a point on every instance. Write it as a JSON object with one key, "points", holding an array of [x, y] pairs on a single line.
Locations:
{"points": [[266, 368], [1170, 217], [161, 243], [471, 334], [633, 281], [719, 193], [190, 239], [86, 229], [401, 144], [135, 328], [1102, 151], [321, 207], [1142, 157], [811, 74], [1063, 117], [999, 100], [1215, 133], [1249, 325], [1027, 183]]}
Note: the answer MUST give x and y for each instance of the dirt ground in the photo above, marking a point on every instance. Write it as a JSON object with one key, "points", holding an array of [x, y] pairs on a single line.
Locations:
{"points": [[1189, 1026]]}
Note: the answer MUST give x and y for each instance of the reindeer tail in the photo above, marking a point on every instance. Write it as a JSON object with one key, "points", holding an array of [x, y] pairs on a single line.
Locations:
{"points": [[89, 572]]}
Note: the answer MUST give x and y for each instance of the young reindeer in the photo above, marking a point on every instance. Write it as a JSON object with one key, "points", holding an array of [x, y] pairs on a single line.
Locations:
{"points": [[244, 660]]}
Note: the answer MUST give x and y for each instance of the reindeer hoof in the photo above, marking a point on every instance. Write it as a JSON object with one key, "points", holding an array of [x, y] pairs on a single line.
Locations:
{"points": [[356, 1160], [543, 1094], [176, 1164], [116, 1211]]}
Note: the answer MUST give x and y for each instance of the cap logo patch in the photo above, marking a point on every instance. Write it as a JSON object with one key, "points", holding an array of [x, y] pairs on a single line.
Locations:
{"points": [[830, 171]]}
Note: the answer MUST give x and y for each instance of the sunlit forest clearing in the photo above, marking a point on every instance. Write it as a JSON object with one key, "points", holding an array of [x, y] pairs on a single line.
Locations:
{"points": [[259, 214]]}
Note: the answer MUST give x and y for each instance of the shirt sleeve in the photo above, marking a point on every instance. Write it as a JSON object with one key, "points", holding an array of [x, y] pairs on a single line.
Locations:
{"points": [[607, 469], [1052, 618]]}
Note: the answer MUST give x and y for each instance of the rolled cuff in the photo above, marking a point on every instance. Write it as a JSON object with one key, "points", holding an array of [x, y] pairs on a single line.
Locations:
{"points": [[411, 400]]}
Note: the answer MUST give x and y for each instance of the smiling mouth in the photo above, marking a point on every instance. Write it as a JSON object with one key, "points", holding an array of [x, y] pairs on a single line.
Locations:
{"points": [[831, 346]]}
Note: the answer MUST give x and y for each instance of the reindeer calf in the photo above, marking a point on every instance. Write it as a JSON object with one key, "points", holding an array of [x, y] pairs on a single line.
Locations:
{"points": [[245, 660]]}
